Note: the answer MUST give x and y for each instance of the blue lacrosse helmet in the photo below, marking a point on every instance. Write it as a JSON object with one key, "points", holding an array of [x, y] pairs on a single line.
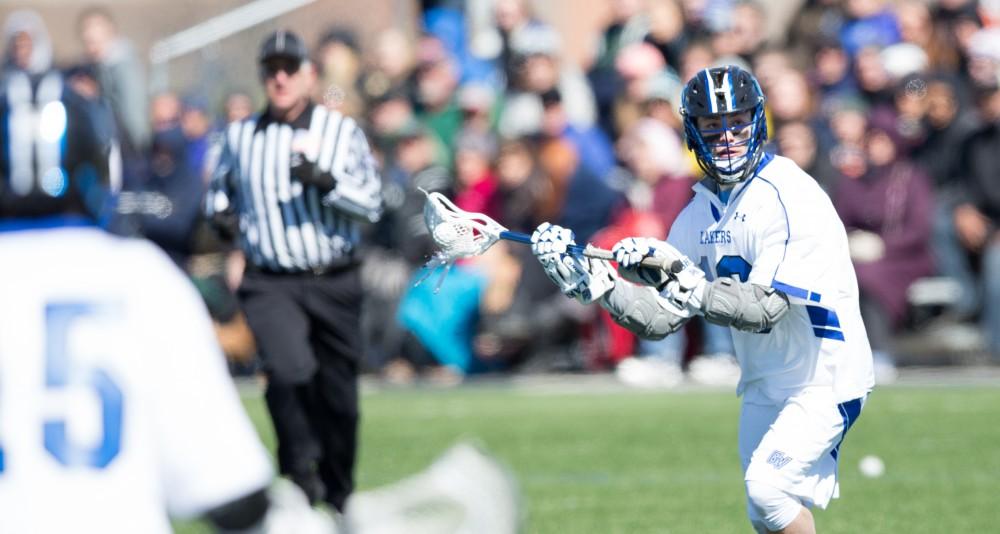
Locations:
{"points": [[725, 93], [57, 153]]}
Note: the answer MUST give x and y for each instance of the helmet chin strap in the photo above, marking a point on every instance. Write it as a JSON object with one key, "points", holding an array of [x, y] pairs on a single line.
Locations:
{"points": [[724, 164]]}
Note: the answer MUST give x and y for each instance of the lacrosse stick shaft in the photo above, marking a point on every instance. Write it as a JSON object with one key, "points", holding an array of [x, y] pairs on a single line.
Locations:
{"points": [[665, 264]]}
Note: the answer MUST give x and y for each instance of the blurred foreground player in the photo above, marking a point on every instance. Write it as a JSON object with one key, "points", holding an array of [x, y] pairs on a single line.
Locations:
{"points": [[116, 410]]}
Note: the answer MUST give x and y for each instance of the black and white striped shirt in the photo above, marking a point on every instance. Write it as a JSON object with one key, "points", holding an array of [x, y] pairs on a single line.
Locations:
{"points": [[300, 190]]}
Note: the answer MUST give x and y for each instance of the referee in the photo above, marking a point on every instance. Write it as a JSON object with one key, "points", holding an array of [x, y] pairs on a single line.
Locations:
{"points": [[295, 183]]}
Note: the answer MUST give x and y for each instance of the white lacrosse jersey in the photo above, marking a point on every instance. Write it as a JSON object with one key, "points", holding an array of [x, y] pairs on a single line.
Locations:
{"points": [[116, 408], [779, 229]]}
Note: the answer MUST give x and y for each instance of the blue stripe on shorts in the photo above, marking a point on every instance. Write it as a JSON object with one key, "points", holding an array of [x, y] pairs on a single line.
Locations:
{"points": [[850, 411]]}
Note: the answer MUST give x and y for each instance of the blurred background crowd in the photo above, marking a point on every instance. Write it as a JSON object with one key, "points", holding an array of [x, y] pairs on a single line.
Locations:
{"points": [[892, 106]]}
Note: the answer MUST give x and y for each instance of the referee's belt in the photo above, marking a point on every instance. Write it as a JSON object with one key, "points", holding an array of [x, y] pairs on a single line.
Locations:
{"points": [[333, 268]]}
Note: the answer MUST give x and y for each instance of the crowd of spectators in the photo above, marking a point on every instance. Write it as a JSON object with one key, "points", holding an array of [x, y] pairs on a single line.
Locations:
{"points": [[893, 107]]}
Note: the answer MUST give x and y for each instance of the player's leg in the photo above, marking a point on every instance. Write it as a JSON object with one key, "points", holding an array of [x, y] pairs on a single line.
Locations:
{"points": [[765, 504], [792, 467], [280, 329], [334, 306], [298, 446], [334, 416], [772, 507], [803, 524]]}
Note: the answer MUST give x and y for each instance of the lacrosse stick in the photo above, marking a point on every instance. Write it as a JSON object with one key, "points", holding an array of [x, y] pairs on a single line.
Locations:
{"points": [[461, 234]]}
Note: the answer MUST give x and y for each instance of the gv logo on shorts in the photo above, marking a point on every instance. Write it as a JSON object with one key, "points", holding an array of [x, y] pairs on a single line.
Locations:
{"points": [[778, 459]]}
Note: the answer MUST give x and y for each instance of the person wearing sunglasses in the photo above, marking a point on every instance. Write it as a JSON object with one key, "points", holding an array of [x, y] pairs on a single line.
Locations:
{"points": [[294, 184]]}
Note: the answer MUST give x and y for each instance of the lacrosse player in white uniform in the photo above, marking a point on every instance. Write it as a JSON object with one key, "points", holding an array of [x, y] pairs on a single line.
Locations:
{"points": [[763, 252], [116, 408]]}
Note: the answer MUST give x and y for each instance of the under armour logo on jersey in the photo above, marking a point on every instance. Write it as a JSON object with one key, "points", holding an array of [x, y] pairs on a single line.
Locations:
{"points": [[742, 217], [778, 459]]}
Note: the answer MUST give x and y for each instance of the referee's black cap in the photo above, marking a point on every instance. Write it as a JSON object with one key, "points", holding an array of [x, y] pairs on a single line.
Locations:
{"points": [[285, 44]]}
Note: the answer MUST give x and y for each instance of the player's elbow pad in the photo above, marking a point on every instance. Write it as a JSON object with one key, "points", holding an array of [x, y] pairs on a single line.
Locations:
{"points": [[746, 307], [641, 311]]}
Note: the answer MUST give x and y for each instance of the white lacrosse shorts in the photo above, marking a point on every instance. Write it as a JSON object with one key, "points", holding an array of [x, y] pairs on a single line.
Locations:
{"points": [[793, 446]]}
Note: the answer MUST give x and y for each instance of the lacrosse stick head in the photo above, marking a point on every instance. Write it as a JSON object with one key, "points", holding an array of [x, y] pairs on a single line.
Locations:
{"points": [[458, 233]]}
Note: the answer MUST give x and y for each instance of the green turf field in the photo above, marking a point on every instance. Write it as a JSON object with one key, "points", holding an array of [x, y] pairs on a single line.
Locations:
{"points": [[629, 462]]}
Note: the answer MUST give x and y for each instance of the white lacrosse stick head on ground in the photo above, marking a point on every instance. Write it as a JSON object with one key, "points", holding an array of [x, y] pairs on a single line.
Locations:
{"points": [[464, 491]]}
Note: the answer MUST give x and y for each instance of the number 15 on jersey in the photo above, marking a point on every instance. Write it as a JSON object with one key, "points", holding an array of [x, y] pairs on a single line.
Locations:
{"points": [[62, 374]]}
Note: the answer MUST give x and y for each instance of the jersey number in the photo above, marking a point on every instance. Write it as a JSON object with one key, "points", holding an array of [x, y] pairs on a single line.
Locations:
{"points": [[728, 266], [60, 374]]}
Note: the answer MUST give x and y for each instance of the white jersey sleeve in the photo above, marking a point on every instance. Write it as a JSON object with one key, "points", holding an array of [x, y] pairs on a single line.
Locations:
{"points": [[209, 453]]}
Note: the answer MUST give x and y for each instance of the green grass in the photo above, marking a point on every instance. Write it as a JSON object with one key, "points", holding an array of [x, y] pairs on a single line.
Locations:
{"points": [[666, 462]]}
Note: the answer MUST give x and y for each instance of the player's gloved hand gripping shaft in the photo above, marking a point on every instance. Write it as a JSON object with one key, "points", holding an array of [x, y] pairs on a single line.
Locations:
{"points": [[724, 301], [580, 277], [683, 286], [636, 307]]}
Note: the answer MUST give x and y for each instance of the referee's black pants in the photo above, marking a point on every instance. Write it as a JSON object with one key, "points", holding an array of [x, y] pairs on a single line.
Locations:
{"points": [[308, 334]]}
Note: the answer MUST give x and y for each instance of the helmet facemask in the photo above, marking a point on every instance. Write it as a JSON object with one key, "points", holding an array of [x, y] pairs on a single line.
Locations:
{"points": [[728, 146], [73, 167], [724, 122]]}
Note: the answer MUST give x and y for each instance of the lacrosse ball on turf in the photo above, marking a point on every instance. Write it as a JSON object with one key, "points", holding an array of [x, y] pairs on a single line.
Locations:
{"points": [[872, 466]]}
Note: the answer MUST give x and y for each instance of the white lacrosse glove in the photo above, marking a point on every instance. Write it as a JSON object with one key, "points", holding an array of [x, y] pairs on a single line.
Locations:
{"points": [[683, 289], [585, 279], [630, 252], [686, 288]]}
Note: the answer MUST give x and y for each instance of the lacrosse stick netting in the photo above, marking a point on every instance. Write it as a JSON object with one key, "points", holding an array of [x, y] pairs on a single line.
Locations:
{"points": [[462, 234], [457, 233]]}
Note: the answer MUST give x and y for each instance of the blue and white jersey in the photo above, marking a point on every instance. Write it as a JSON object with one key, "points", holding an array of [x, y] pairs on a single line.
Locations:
{"points": [[116, 408], [779, 229]]}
